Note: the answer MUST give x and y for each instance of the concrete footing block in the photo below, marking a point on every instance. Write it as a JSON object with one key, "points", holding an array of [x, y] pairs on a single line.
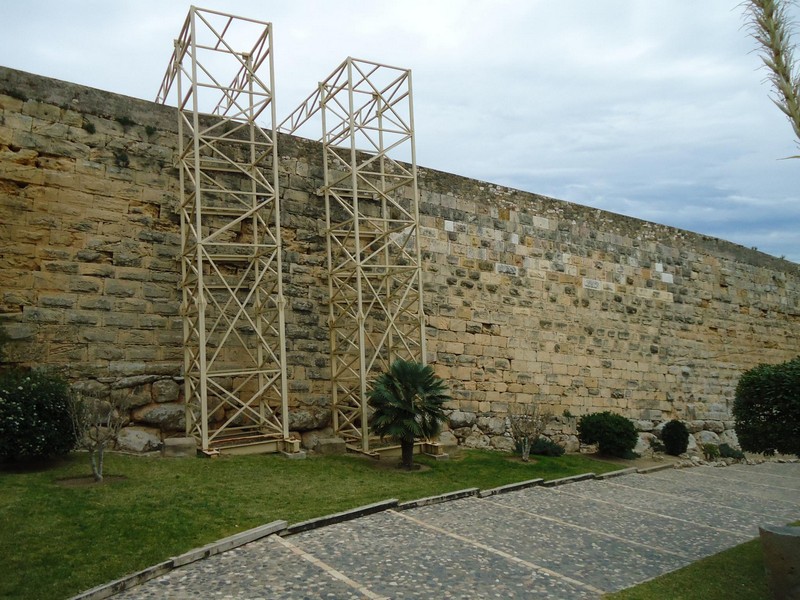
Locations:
{"points": [[299, 455], [347, 515], [182, 447], [229, 543], [511, 487], [655, 468], [438, 499], [326, 446], [620, 473], [112, 588], [781, 547], [565, 480]]}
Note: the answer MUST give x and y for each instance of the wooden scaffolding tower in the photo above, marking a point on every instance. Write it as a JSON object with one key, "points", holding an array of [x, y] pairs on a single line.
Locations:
{"points": [[372, 229], [233, 303]]}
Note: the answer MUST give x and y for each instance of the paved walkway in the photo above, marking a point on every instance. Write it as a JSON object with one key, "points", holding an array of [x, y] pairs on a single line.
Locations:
{"points": [[575, 541]]}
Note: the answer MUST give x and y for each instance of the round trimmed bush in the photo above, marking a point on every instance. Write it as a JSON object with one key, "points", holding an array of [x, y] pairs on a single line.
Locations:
{"points": [[675, 436], [766, 409], [35, 419], [614, 434]]}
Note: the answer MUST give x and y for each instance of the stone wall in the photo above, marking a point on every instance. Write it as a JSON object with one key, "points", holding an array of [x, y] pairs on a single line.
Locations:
{"points": [[534, 299], [528, 298]]}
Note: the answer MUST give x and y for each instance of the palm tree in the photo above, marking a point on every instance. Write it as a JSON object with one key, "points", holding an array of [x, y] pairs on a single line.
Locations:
{"points": [[408, 402]]}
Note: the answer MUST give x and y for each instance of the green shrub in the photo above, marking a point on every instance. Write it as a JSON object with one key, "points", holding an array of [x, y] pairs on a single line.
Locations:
{"points": [[728, 451], [35, 417], [766, 409], [675, 437], [545, 447], [711, 451], [614, 434]]}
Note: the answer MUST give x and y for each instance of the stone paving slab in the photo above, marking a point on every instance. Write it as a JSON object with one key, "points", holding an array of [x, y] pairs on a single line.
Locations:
{"points": [[398, 557], [262, 570], [751, 477], [574, 541], [558, 545], [647, 528], [679, 483], [707, 512], [733, 481], [788, 470]]}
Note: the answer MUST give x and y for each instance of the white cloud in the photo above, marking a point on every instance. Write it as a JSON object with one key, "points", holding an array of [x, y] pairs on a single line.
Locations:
{"points": [[655, 109]]}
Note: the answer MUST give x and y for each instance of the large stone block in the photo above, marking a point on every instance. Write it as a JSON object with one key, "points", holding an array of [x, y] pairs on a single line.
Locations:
{"points": [[460, 419], [476, 439], [165, 390], [729, 437], [492, 425], [502, 442], [167, 417], [305, 419], [644, 444], [328, 446], [707, 437], [138, 439], [309, 438], [447, 438]]}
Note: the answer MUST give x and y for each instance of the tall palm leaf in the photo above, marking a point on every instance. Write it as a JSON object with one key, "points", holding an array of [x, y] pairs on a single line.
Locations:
{"points": [[408, 403]]}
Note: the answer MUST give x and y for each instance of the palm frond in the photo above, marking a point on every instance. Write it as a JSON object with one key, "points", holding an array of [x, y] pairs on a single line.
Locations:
{"points": [[770, 26], [408, 401]]}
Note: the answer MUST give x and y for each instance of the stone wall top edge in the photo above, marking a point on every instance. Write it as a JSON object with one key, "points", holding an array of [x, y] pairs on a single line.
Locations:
{"points": [[85, 99], [107, 104], [498, 195]]}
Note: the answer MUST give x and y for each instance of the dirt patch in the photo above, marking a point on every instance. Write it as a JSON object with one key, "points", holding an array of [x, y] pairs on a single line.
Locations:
{"points": [[515, 458], [639, 463], [88, 481], [393, 464]]}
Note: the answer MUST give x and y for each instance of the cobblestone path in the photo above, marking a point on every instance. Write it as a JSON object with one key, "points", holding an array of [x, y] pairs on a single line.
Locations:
{"points": [[575, 541]]}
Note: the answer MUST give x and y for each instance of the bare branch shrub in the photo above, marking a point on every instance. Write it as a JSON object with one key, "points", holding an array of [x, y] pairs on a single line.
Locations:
{"points": [[97, 423], [528, 421]]}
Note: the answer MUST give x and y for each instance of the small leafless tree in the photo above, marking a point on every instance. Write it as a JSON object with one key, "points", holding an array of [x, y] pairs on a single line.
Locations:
{"points": [[97, 423], [527, 424]]}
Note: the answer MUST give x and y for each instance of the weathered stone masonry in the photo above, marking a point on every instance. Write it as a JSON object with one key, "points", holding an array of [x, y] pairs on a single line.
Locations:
{"points": [[528, 298]]}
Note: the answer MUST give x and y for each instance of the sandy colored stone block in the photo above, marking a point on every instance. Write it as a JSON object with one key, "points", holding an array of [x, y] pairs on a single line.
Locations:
{"points": [[181, 447]]}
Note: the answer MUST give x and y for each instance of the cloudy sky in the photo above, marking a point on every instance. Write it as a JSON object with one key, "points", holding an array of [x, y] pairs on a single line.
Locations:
{"points": [[655, 109]]}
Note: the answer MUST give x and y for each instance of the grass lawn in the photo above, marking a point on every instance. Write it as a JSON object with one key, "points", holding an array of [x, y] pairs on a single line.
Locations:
{"points": [[56, 541], [735, 574]]}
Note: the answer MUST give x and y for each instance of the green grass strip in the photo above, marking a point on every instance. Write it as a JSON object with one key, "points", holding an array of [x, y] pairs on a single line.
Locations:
{"points": [[57, 541], [735, 574]]}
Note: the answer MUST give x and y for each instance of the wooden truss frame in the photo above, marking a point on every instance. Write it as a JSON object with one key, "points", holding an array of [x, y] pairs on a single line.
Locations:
{"points": [[372, 229], [233, 302]]}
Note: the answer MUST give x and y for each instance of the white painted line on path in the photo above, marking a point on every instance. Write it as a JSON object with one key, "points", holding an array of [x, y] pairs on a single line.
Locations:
{"points": [[336, 574], [657, 514], [587, 529], [497, 552]]}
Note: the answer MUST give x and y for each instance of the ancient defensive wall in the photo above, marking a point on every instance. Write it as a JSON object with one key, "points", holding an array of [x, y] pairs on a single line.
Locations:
{"points": [[527, 298]]}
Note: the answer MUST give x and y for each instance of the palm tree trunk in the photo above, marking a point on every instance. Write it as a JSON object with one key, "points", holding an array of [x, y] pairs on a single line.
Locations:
{"points": [[407, 458]]}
